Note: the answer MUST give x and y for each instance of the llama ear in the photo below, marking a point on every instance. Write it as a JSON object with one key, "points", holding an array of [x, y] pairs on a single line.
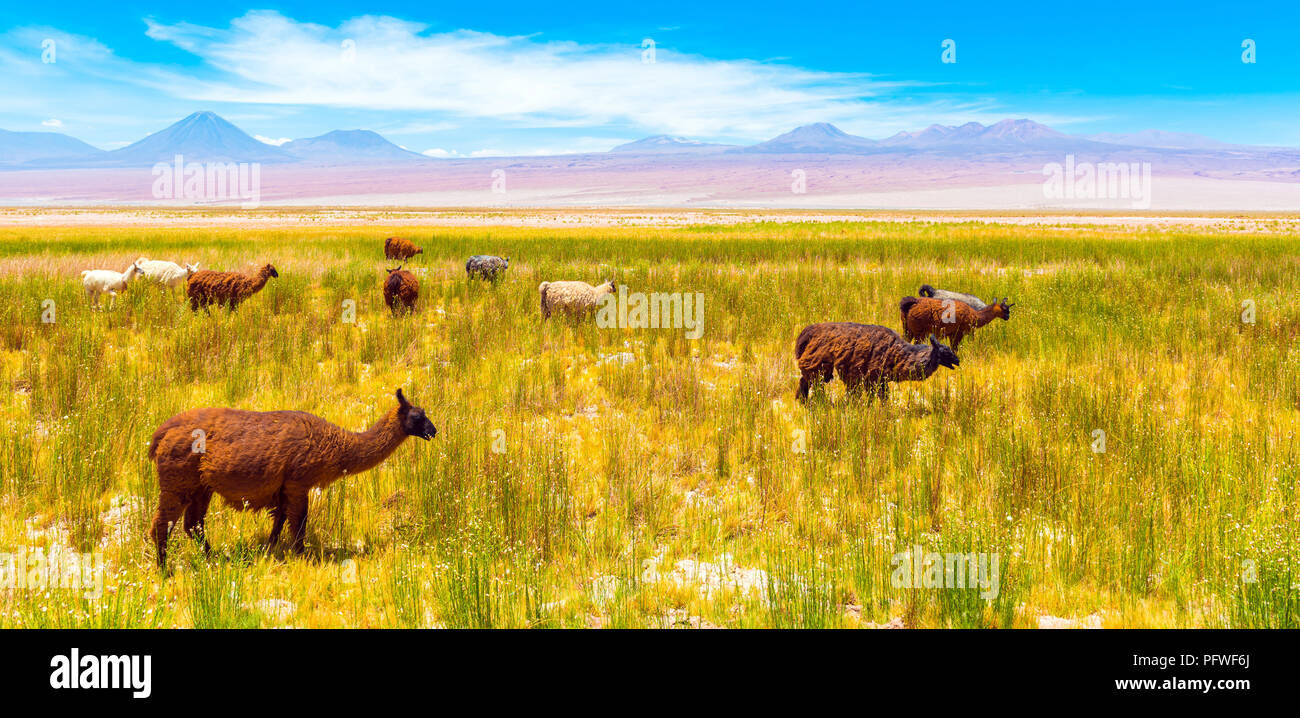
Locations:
{"points": [[401, 400], [934, 341]]}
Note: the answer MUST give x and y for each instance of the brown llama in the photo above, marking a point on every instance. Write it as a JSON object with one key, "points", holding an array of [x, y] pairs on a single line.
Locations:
{"points": [[948, 318], [207, 287], [398, 248], [401, 289], [263, 460], [866, 356]]}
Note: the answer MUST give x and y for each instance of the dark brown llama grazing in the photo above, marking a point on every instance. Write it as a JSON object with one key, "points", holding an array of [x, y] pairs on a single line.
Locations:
{"points": [[948, 318], [866, 356], [263, 460], [207, 287], [398, 248], [401, 289]]}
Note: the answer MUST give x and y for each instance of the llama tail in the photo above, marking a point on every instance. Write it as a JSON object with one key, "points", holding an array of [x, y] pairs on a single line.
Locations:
{"points": [[157, 439], [801, 343], [905, 306], [926, 290]]}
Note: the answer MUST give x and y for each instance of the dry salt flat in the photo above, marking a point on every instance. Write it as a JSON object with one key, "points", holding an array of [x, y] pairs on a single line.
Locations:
{"points": [[559, 217]]}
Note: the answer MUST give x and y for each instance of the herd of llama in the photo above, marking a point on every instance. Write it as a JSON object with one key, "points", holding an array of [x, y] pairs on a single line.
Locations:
{"points": [[271, 460]]}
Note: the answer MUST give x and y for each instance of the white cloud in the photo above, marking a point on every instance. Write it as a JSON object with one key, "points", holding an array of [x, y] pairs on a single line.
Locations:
{"points": [[392, 64], [572, 146], [52, 122], [515, 93], [272, 141], [449, 154], [418, 128]]}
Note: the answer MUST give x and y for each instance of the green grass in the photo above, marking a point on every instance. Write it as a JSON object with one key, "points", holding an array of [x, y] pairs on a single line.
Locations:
{"points": [[687, 486]]}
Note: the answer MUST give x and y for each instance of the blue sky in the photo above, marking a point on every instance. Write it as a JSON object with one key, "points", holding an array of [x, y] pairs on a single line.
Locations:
{"points": [[518, 78]]}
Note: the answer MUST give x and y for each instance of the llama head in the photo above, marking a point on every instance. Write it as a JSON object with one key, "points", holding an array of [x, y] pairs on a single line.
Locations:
{"points": [[926, 291], [507, 260], [1002, 309], [134, 269], [418, 250], [398, 268], [612, 287], [947, 357], [269, 271], [414, 422]]}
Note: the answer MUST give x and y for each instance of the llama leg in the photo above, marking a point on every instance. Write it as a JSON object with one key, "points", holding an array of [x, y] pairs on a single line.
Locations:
{"points": [[882, 392], [297, 513], [170, 507], [956, 339], [853, 384], [195, 513], [803, 388], [277, 523]]}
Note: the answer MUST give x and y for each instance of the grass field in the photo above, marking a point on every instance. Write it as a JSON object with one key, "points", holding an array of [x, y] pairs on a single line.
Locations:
{"points": [[636, 478]]}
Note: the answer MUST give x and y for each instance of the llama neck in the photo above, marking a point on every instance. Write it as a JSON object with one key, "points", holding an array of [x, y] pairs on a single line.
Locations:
{"points": [[986, 315], [363, 450], [931, 364], [259, 281]]}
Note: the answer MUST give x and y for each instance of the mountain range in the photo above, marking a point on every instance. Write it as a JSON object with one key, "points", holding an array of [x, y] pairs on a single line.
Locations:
{"points": [[207, 137], [18, 147], [658, 144]]}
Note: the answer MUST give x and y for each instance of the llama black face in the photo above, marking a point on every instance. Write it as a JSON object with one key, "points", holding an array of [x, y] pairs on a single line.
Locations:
{"points": [[273, 272], [947, 357], [414, 422]]}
